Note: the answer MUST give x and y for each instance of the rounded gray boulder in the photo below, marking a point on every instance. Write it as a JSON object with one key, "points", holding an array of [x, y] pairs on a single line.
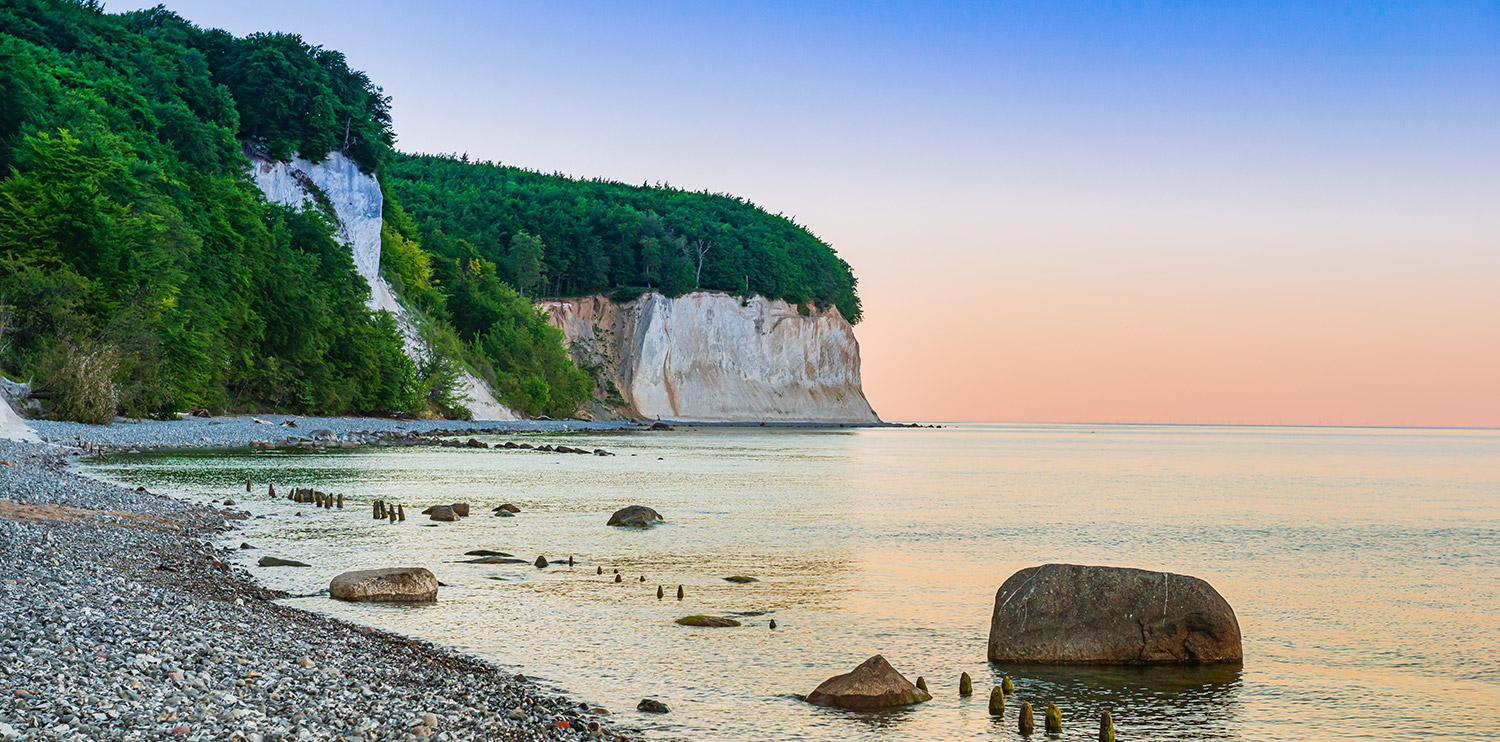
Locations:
{"points": [[390, 585], [1070, 613]]}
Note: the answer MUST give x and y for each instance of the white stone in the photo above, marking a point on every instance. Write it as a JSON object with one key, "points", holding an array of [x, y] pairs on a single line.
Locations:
{"points": [[13, 427], [711, 357]]}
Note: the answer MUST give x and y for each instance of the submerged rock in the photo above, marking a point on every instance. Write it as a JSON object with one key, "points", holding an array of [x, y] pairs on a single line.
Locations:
{"points": [[390, 585], [507, 508], [872, 685], [270, 561], [1068, 613], [740, 579], [442, 513], [708, 621], [635, 516], [486, 553]]}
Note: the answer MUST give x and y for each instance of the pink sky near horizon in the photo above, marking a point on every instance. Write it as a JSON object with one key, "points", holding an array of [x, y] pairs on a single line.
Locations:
{"points": [[1152, 212]]}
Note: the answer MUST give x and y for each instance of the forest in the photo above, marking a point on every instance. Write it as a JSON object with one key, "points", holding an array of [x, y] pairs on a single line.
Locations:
{"points": [[561, 236], [133, 246], [142, 273]]}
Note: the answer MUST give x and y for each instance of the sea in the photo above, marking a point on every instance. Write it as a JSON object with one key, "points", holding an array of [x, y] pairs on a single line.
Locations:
{"points": [[1363, 565]]}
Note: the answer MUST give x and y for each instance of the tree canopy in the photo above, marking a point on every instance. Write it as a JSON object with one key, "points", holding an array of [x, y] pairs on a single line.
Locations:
{"points": [[128, 222], [599, 235]]}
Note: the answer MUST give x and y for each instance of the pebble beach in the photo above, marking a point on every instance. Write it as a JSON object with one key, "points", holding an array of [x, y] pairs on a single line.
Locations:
{"points": [[121, 620]]}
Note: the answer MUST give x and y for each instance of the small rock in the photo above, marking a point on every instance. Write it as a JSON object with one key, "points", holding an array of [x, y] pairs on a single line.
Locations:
{"points": [[740, 579], [635, 516], [872, 685], [541, 562], [708, 621], [652, 706], [270, 561]]}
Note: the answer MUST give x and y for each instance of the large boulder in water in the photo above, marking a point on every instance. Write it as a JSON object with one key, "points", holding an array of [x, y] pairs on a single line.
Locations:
{"points": [[636, 516], [391, 585], [872, 685], [1069, 613]]}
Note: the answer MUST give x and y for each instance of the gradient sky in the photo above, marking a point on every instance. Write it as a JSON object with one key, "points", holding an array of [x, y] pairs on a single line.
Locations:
{"points": [[1058, 211]]}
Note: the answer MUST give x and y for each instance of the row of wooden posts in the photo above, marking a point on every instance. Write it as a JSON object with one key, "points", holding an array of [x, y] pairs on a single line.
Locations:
{"points": [[382, 510], [1025, 721]]}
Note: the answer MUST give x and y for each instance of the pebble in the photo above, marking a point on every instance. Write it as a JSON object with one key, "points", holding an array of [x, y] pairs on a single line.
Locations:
{"points": [[98, 644]]}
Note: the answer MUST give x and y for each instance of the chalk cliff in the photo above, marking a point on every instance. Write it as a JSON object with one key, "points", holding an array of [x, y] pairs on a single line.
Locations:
{"points": [[354, 197], [710, 357]]}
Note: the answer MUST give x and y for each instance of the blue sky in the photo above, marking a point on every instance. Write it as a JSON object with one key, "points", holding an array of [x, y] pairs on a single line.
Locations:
{"points": [[1075, 185]]}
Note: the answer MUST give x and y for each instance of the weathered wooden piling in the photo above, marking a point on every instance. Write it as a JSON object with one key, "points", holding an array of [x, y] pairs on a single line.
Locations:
{"points": [[660, 593], [271, 490], [679, 592], [997, 701], [247, 485], [1006, 685], [570, 562], [965, 685], [617, 578], [1052, 719], [1106, 727], [599, 570], [341, 502], [773, 623], [391, 514], [1025, 724], [400, 512]]}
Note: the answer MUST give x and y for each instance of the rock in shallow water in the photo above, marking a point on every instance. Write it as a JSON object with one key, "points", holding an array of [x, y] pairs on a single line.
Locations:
{"points": [[872, 685], [391, 585], [708, 621], [270, 561], [1068, 613], [635, 516], [652, 706]]}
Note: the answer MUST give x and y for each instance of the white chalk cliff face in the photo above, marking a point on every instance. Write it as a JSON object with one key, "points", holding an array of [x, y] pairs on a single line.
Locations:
{"points": [[709, 357], [357, 205]]}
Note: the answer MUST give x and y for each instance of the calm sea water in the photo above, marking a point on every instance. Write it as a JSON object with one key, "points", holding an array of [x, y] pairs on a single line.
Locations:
{"points": [[1363, 564]]}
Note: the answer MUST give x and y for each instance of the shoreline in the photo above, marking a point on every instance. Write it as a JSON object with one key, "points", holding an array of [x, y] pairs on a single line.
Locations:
{"points": [[122, 620]]}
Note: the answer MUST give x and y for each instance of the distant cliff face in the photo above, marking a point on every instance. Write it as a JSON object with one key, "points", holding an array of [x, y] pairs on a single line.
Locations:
{"points": [[709, 357], [356, 202]]}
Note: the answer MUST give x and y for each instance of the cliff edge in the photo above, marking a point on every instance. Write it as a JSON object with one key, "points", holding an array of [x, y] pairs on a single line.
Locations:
{"points": [[712, 357], [337, 183]]}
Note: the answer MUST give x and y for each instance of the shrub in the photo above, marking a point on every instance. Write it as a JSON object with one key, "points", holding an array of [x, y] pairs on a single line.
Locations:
{"points": [[81, 379]]}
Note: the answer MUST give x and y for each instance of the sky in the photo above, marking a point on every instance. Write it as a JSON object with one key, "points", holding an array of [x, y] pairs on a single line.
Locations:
{"points": [[1154, 212]]}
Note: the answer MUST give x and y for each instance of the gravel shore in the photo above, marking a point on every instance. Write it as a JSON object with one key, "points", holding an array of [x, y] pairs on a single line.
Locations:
{"points": [[120, 620]]}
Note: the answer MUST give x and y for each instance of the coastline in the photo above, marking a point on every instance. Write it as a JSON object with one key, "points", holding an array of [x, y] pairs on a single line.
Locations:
{"points": [[121, 619]]}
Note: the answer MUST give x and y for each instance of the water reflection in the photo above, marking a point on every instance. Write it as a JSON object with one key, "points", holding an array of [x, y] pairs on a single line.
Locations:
{"points": [[1144, 700]]}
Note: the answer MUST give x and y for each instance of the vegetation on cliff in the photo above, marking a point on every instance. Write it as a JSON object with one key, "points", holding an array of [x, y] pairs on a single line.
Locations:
{"points": [[132, 242], [564, 236], [135, 248]]}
